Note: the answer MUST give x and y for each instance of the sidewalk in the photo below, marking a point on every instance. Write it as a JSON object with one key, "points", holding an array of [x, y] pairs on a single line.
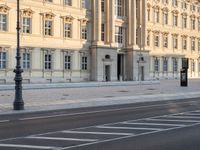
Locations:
{"points": [[75, 95]]}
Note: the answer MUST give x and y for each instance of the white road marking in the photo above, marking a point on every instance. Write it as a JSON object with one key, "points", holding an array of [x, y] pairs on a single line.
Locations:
{"points": [[182, 117], [100, 133], [174, 120], [120, 138], [62, 139], [2, 121], [128, 128], [28, 146], [192, 114], [156, 124]]}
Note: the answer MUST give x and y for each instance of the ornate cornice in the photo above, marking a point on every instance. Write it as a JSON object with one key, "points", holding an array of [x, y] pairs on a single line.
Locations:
{"points": [[27, 12], [4, 8], [48, 15]]}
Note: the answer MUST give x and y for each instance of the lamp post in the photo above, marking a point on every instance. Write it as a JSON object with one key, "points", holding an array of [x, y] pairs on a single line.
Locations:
{"points": [[18, 102]]}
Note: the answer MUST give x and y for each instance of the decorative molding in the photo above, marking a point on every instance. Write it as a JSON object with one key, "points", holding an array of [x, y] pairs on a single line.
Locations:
{"points": [[4, 8], [27, 12], [48, 15], [84, 21], [68, 18]]}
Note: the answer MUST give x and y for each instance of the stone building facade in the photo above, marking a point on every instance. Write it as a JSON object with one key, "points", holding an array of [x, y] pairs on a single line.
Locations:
{"points": [[173, 33], [99, 40], [74, 40]]}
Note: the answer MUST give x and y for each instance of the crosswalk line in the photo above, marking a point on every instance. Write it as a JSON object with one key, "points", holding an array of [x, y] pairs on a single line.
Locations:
{"points": [[183, 117], [156, 124], [192, 114], [62, 139], [128, 128], [98, 133], [174, 120], [28, 146]]}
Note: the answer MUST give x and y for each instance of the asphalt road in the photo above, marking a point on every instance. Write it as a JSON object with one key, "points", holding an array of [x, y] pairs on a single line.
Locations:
{"points": [[169, 125]]}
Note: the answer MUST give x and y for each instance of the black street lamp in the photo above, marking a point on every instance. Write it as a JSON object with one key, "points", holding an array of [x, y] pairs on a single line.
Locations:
{"points": [[18, 102]]}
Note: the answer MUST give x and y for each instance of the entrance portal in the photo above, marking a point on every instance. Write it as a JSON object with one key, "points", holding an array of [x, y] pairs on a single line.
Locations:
{"points": [[107, 73], [120, 67]]}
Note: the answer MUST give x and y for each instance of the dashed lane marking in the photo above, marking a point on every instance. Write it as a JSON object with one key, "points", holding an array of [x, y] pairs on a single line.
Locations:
{"points": [[2, 121], [29, 146], [62, 139], [98, 133], [128, 128], [182, 117], [173, 120], [156, 124]]}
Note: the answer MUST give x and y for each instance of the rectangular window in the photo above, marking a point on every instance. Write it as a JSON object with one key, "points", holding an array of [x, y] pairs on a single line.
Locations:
{"points": [[165, 64], [165, 17], [26, 60], [48, 28], [165, 41], [156, 40], [156, 64], [84, 32], [148, 39], [193, 44], [148, 15], [47, 61], [102, 5], [175, 64], [156, 16], [184, 43], [67, 62], [84, 62], [193, 66], [175, 3], [102, 32], [26, 25], [2, 60], [67, 30], [175, 42], [118, 34], [175, 20], [193, 24], [184, 22], [198, 45], [68, 2], [119, 8], [3, 22], [83, 4]]}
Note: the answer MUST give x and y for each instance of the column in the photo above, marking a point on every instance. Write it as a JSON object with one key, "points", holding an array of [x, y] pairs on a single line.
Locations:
{"points": [[196, 68], [130, 22], [161, 65], [99, 20], [107, 33], [134, 22], [112, 21]]}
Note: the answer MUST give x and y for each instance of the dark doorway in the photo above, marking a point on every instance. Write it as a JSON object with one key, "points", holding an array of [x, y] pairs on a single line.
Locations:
{"points": [[107, 73], [120, 66], [142, 73]]}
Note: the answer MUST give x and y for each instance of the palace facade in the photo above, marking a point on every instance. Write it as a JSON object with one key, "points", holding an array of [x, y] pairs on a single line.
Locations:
{"points": [[173, 33], [99, 40]]}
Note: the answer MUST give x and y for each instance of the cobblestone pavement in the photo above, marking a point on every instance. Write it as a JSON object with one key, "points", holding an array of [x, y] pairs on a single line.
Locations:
{"points": [[48, 99]]}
